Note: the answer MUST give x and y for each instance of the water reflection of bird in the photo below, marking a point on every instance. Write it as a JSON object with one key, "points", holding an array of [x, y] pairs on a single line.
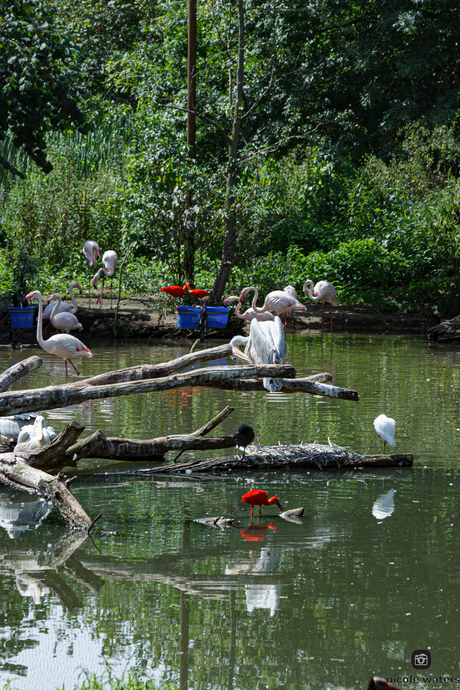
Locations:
{"points": [[110, 260], [33, 437], [266, 344], [323, 291], [377, 683], [17, 516], [91, 252], [62, 345], [243, 436], [249, 314], [384, 506], [386, 429], [265, 596], [259, 497]]}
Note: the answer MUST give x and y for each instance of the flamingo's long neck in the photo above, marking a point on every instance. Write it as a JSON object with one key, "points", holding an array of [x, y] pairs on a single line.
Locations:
{"points": [[98, 275], [55, 308], [308, 291], [74, 301], [273, 500], [257, 309], [39, 321]]}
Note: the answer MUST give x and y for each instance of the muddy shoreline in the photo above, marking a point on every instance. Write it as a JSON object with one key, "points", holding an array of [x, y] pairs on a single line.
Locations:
{"points": [[137, 319]]}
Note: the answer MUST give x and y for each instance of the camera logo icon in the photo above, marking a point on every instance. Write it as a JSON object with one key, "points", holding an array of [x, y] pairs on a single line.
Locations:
{"points": [[421, 659]]}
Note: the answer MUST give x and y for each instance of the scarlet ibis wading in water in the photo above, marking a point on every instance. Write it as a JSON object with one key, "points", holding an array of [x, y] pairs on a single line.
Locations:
{"points": [[259, 497]]}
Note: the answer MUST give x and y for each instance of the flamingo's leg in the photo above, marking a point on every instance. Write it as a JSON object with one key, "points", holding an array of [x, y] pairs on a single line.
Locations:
{"points": [[330, 316], [89, 287], [78, 373], [252, 511], [260, 511], [65, 369], [322, 319]]}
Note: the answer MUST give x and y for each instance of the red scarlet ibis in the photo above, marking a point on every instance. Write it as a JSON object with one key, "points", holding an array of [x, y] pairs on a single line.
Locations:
{"points": [[175, 291], [197, 293], [259, 497]]}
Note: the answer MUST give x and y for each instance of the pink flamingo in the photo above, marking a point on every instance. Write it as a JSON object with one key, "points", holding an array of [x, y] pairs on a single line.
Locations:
{"points": [[278, 301], [63, 306], [249, 314], [325, 292], [91, 252], [110, 260], [62, 345], [63, 321]]}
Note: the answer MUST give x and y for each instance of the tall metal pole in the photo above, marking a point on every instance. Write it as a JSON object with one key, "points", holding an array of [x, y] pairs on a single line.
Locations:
{"points": [[189, 249]]}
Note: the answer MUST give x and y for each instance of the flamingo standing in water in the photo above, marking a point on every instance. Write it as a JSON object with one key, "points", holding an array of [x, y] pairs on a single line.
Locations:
{"points": [[249, 314], [64, 320], [110, 260], [259, 497], [325, 292], [278, 301], [266, 344], [91, 252], [62, 345]]}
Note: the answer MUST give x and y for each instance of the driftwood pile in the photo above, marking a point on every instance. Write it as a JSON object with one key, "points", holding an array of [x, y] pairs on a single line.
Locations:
{"points": [[39, 472], [445, 332]]}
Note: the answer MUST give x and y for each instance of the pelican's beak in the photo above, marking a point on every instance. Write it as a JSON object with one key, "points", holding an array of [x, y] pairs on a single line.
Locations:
{"points": [[39, 425]]}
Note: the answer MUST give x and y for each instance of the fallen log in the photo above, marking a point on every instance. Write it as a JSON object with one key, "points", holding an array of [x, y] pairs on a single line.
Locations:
{"points": [[305, 385], [445, 332], [54, 489], [17, 371], [311, 456], [153, 371], [70, 394]]}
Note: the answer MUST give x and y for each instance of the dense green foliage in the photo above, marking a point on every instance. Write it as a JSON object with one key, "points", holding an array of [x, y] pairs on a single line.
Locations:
{"points": [[347, 168]]}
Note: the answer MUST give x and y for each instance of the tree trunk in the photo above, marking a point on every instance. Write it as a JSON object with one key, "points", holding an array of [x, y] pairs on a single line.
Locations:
{"points": [[228, 253]]}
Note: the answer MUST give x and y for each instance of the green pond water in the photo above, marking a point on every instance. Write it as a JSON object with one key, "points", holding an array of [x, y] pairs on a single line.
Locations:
{"points": [[369, 574]]}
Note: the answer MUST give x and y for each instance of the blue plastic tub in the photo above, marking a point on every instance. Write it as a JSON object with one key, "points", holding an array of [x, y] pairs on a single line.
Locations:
{"points": [[188, 317], [21, 317], [217, 317]]}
